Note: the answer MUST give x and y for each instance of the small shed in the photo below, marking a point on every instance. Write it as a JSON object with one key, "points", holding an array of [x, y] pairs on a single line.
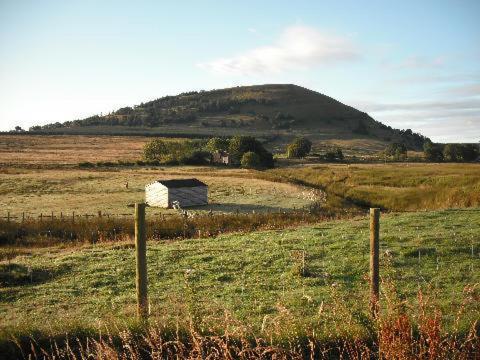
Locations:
{"points": [[188, 192], [221, 157]]}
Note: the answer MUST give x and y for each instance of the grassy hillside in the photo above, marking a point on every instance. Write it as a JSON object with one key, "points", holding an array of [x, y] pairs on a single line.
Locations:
{"points": [[265, 110], [273, 282]]}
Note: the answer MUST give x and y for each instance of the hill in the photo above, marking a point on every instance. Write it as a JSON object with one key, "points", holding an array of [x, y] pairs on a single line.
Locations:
{"points": [[281, 110]]}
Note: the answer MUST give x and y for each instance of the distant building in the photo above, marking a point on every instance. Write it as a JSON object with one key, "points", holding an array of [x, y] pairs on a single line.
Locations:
{"points": [[188, 192], [221, 157]]}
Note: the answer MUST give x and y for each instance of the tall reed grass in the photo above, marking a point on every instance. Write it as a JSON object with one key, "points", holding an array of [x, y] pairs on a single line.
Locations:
{"points": [[33, 232]]}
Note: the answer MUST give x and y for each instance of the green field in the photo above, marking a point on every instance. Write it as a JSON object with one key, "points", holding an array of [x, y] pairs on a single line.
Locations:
{"points": [[258, 278]]}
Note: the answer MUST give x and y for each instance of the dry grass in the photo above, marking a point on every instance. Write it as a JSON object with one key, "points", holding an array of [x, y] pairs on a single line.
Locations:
{"points": [[54, 150], [36, 191], [400, 186]]}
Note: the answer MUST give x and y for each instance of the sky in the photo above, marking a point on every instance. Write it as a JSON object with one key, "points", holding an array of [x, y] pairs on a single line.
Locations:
{"points": [[409, 64]]}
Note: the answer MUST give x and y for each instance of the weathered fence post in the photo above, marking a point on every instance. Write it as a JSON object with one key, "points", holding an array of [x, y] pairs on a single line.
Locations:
{"points": [[374, 260], [141, 260], [8, 216], [41, 217], [23, 216], [52, 215], [73, 217], [99, 213]]}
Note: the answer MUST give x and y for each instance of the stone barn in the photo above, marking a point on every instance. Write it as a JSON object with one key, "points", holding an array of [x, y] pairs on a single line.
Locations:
{"points": [[188, 192]]}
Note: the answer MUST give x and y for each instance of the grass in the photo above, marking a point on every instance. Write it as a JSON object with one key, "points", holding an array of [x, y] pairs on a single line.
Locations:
{"points": [[399, 187], [87, 191], [257, 278]]}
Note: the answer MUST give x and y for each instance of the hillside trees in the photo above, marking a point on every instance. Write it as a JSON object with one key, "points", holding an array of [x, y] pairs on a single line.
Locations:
{"points": [[361, 128], [300, 147]]}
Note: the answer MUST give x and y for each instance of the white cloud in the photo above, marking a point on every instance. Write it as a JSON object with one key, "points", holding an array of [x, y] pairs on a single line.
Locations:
{"points": [[297, 47], [450, 120], [415, 62]]}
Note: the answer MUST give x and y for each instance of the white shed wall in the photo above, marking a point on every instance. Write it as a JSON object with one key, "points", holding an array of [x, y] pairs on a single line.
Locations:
{"points": [[159, 195], [156, 195]]}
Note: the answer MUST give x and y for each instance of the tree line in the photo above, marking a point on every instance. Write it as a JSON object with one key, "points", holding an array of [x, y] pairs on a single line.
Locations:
{"points": [[245, 151]]}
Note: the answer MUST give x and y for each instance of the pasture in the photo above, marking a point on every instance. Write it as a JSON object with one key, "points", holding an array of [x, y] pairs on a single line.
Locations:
{"points": [[88, 191], [306, 277], [312, 278]]}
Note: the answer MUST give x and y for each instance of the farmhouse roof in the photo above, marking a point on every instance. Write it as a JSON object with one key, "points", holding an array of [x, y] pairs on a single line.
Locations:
{"points": [[181, 183]]}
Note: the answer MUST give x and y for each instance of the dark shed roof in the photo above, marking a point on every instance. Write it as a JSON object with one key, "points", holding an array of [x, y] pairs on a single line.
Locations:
{"points": [[180, 183]]}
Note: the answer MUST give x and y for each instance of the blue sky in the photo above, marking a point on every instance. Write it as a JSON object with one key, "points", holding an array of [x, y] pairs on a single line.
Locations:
{"points": [[409, 64]]}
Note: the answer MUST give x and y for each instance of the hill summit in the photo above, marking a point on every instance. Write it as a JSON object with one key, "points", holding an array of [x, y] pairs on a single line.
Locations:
{"points": [[275, 109]]}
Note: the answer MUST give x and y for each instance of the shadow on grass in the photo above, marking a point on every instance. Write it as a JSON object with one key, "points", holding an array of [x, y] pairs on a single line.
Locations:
{"points": [[240, 208], [17, 274]]}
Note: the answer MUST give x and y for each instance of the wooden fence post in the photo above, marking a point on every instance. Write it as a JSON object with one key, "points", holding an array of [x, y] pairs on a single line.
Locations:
{"points": [[374, 260], [141, 260], [8, 216], [99, 213], [41, 217], [73, 217], [52, 215], [23, 216]]}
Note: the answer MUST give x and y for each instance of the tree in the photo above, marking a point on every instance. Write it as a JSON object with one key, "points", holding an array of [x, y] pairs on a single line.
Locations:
{"points": [[217, 144], [397, 151], [19, 129], [451, 153], [432, 152], [469, 152], [239, 145], [155, 150], [300, 147], [250, 160], [334, 155]]}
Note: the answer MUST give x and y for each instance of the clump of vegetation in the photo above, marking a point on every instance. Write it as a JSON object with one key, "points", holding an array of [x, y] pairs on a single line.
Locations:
{"points": [[199, 152], [460, 152], [433, 152], [187, 152], [299, 148], [239, 145], [334, 155], [217, 144], [251, 160], [86, 164], [450, 152], [396, 151]]}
